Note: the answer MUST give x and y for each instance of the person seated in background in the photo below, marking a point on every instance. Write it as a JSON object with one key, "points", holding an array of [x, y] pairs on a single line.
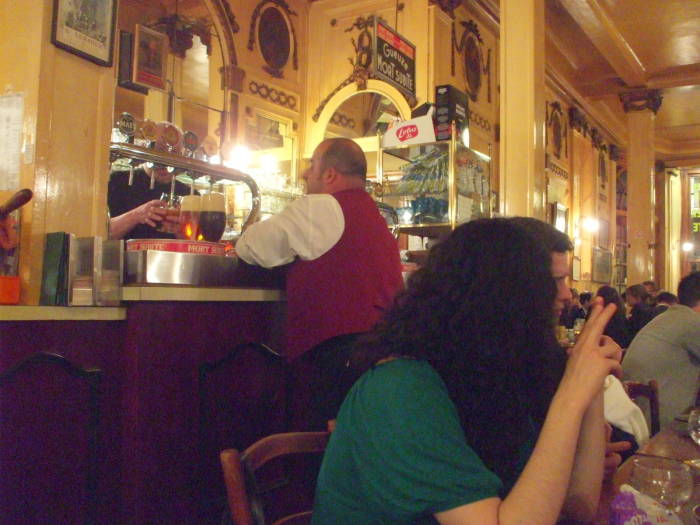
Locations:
{"points": [[136, 211], [653, 290], [617, 326], [664, 300], [572, 311], [641, 311], [585, 299], [467, 412], [668, 349]]}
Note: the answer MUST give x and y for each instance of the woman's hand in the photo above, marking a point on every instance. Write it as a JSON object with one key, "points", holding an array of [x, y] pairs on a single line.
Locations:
{"points": [[592, 358], [151, 213]]}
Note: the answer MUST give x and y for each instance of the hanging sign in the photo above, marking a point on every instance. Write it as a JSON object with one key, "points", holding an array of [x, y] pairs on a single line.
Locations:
{"points": [[394, 58], [418, 130]]}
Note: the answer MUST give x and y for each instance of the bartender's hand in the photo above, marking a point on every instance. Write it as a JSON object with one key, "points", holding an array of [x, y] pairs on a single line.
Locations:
{"points": [[151, 213], [8, 234]]}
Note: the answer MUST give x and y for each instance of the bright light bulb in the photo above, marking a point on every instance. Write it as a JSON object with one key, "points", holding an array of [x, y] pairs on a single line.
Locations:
{"points": [[590, 224], [687, 246], [239, 157], [577, 241]]}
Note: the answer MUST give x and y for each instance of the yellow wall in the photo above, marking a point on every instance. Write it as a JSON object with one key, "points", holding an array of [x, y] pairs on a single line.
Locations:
{"points": [[67, 120]]}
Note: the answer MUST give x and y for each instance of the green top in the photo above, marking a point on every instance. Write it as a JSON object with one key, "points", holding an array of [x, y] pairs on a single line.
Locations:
{"points": [[398, 453]]}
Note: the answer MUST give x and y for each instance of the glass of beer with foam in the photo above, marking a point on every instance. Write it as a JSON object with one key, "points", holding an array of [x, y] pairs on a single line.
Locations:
{"points": [[190, 208], [212, 216]]}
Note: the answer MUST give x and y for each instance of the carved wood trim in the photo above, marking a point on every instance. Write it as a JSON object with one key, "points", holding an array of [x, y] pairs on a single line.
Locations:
{"points": [[474, 65], [222, 10], [360, 63], [284, 6], [641, 99]]}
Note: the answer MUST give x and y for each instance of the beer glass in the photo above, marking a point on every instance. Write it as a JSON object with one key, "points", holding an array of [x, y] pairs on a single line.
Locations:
{"points": [[171, 203], [212, 216], [190, 208]]}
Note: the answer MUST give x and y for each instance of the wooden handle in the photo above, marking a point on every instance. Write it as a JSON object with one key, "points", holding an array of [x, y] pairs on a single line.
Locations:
{"points": [[20, 198]]}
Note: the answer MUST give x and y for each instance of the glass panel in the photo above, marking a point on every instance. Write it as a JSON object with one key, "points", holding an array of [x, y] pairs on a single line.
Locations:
{"points": [[415, 183], [472, 176]]}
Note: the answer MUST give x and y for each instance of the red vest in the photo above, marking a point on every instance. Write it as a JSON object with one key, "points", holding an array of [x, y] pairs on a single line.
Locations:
{"points": [[347, 289]]}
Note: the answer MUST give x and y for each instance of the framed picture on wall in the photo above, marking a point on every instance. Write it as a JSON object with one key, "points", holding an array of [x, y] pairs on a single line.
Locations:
{"points": [[85, 29], [604, 234], [150, 53], [558, 216], [602, 266]]}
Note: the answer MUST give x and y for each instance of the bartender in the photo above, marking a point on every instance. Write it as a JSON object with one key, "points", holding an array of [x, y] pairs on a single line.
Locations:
{"points": [[136, 211], [345, 266]]}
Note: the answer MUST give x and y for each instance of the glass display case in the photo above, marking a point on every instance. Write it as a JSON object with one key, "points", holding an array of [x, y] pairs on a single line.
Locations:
{"points": [[434, 186]]}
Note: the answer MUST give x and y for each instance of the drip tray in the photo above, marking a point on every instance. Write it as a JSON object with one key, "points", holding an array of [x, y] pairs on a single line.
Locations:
{"points": [[161, 267]]}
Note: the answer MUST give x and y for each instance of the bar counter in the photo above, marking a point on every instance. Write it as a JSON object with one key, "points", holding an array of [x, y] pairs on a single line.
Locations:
{"points": [[180, 382]]}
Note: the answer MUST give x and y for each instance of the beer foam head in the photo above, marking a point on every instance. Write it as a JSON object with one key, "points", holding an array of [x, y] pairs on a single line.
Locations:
{"points": [[191, 203], [213, 202]]}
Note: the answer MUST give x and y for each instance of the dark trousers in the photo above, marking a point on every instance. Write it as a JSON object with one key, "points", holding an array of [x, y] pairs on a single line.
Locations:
{"points": [[320, 380]]}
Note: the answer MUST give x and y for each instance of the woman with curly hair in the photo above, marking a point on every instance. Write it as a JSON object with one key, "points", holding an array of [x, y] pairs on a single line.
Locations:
{"points": [[464, 414]]}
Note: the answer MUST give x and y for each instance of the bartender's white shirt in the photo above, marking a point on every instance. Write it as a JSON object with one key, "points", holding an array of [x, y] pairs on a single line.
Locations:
{"points": [[307, 229]]}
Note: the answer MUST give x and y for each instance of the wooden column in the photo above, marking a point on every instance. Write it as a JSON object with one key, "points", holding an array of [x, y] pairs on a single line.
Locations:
{"points": [[522, 111], [641, 107]]}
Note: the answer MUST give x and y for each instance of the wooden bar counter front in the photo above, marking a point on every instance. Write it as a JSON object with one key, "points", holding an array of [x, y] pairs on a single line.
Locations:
{"points": [[179, 382]]}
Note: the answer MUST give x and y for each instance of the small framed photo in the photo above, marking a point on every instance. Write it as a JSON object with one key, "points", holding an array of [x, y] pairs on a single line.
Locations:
{"points": [[558, 216], [150, 53], [602, 266], [85, 29]]}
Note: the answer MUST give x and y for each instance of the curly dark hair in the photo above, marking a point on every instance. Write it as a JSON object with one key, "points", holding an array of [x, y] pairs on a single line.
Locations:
{"points": [[480, 312]]}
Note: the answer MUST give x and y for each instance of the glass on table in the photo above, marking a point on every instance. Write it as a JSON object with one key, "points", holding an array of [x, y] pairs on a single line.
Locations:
{"points": [[668, 481]]}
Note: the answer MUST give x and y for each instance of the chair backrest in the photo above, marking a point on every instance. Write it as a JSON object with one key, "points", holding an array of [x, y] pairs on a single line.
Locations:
{"points": [[49, 420], [650, 391], [247, 488], [242, 398]]}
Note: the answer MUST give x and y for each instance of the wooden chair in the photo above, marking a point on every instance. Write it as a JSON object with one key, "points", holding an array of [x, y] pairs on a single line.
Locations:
{"points": [[245, 488], [242, 398], [49, 423], [650, 391]]}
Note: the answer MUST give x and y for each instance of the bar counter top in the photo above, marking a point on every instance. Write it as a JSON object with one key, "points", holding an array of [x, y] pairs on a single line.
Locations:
{"points": [[138, 293]]}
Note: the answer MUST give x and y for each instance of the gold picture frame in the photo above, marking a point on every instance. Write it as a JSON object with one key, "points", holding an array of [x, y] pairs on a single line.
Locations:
{"points": [[150, 54]]}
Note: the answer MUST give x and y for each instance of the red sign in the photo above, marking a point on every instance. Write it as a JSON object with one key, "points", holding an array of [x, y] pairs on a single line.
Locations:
{"points": [[406, 132]]}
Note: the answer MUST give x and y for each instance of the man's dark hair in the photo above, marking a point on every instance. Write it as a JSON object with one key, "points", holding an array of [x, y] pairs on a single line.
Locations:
{"points": [[652, 284], [585, 297], [638, 291], [545, 234], [689, 290], [345, 156], [667, 297]]}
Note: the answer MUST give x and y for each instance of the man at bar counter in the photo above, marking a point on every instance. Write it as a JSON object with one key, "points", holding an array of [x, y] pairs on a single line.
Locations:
{"points": [[345, 266], [136, 211]]}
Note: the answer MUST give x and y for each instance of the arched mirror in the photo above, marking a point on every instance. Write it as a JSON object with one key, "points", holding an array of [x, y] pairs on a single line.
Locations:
{"points": [[362, 115], [169, 65]]}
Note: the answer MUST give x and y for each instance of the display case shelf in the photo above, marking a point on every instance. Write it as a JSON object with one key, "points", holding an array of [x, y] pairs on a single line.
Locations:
{"points": [[444, 180]]}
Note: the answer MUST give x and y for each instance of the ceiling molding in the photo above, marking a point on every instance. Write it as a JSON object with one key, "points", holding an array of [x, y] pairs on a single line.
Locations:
{"points": [[562, 49], [679, 76], [597, 24], [606, 120]]}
